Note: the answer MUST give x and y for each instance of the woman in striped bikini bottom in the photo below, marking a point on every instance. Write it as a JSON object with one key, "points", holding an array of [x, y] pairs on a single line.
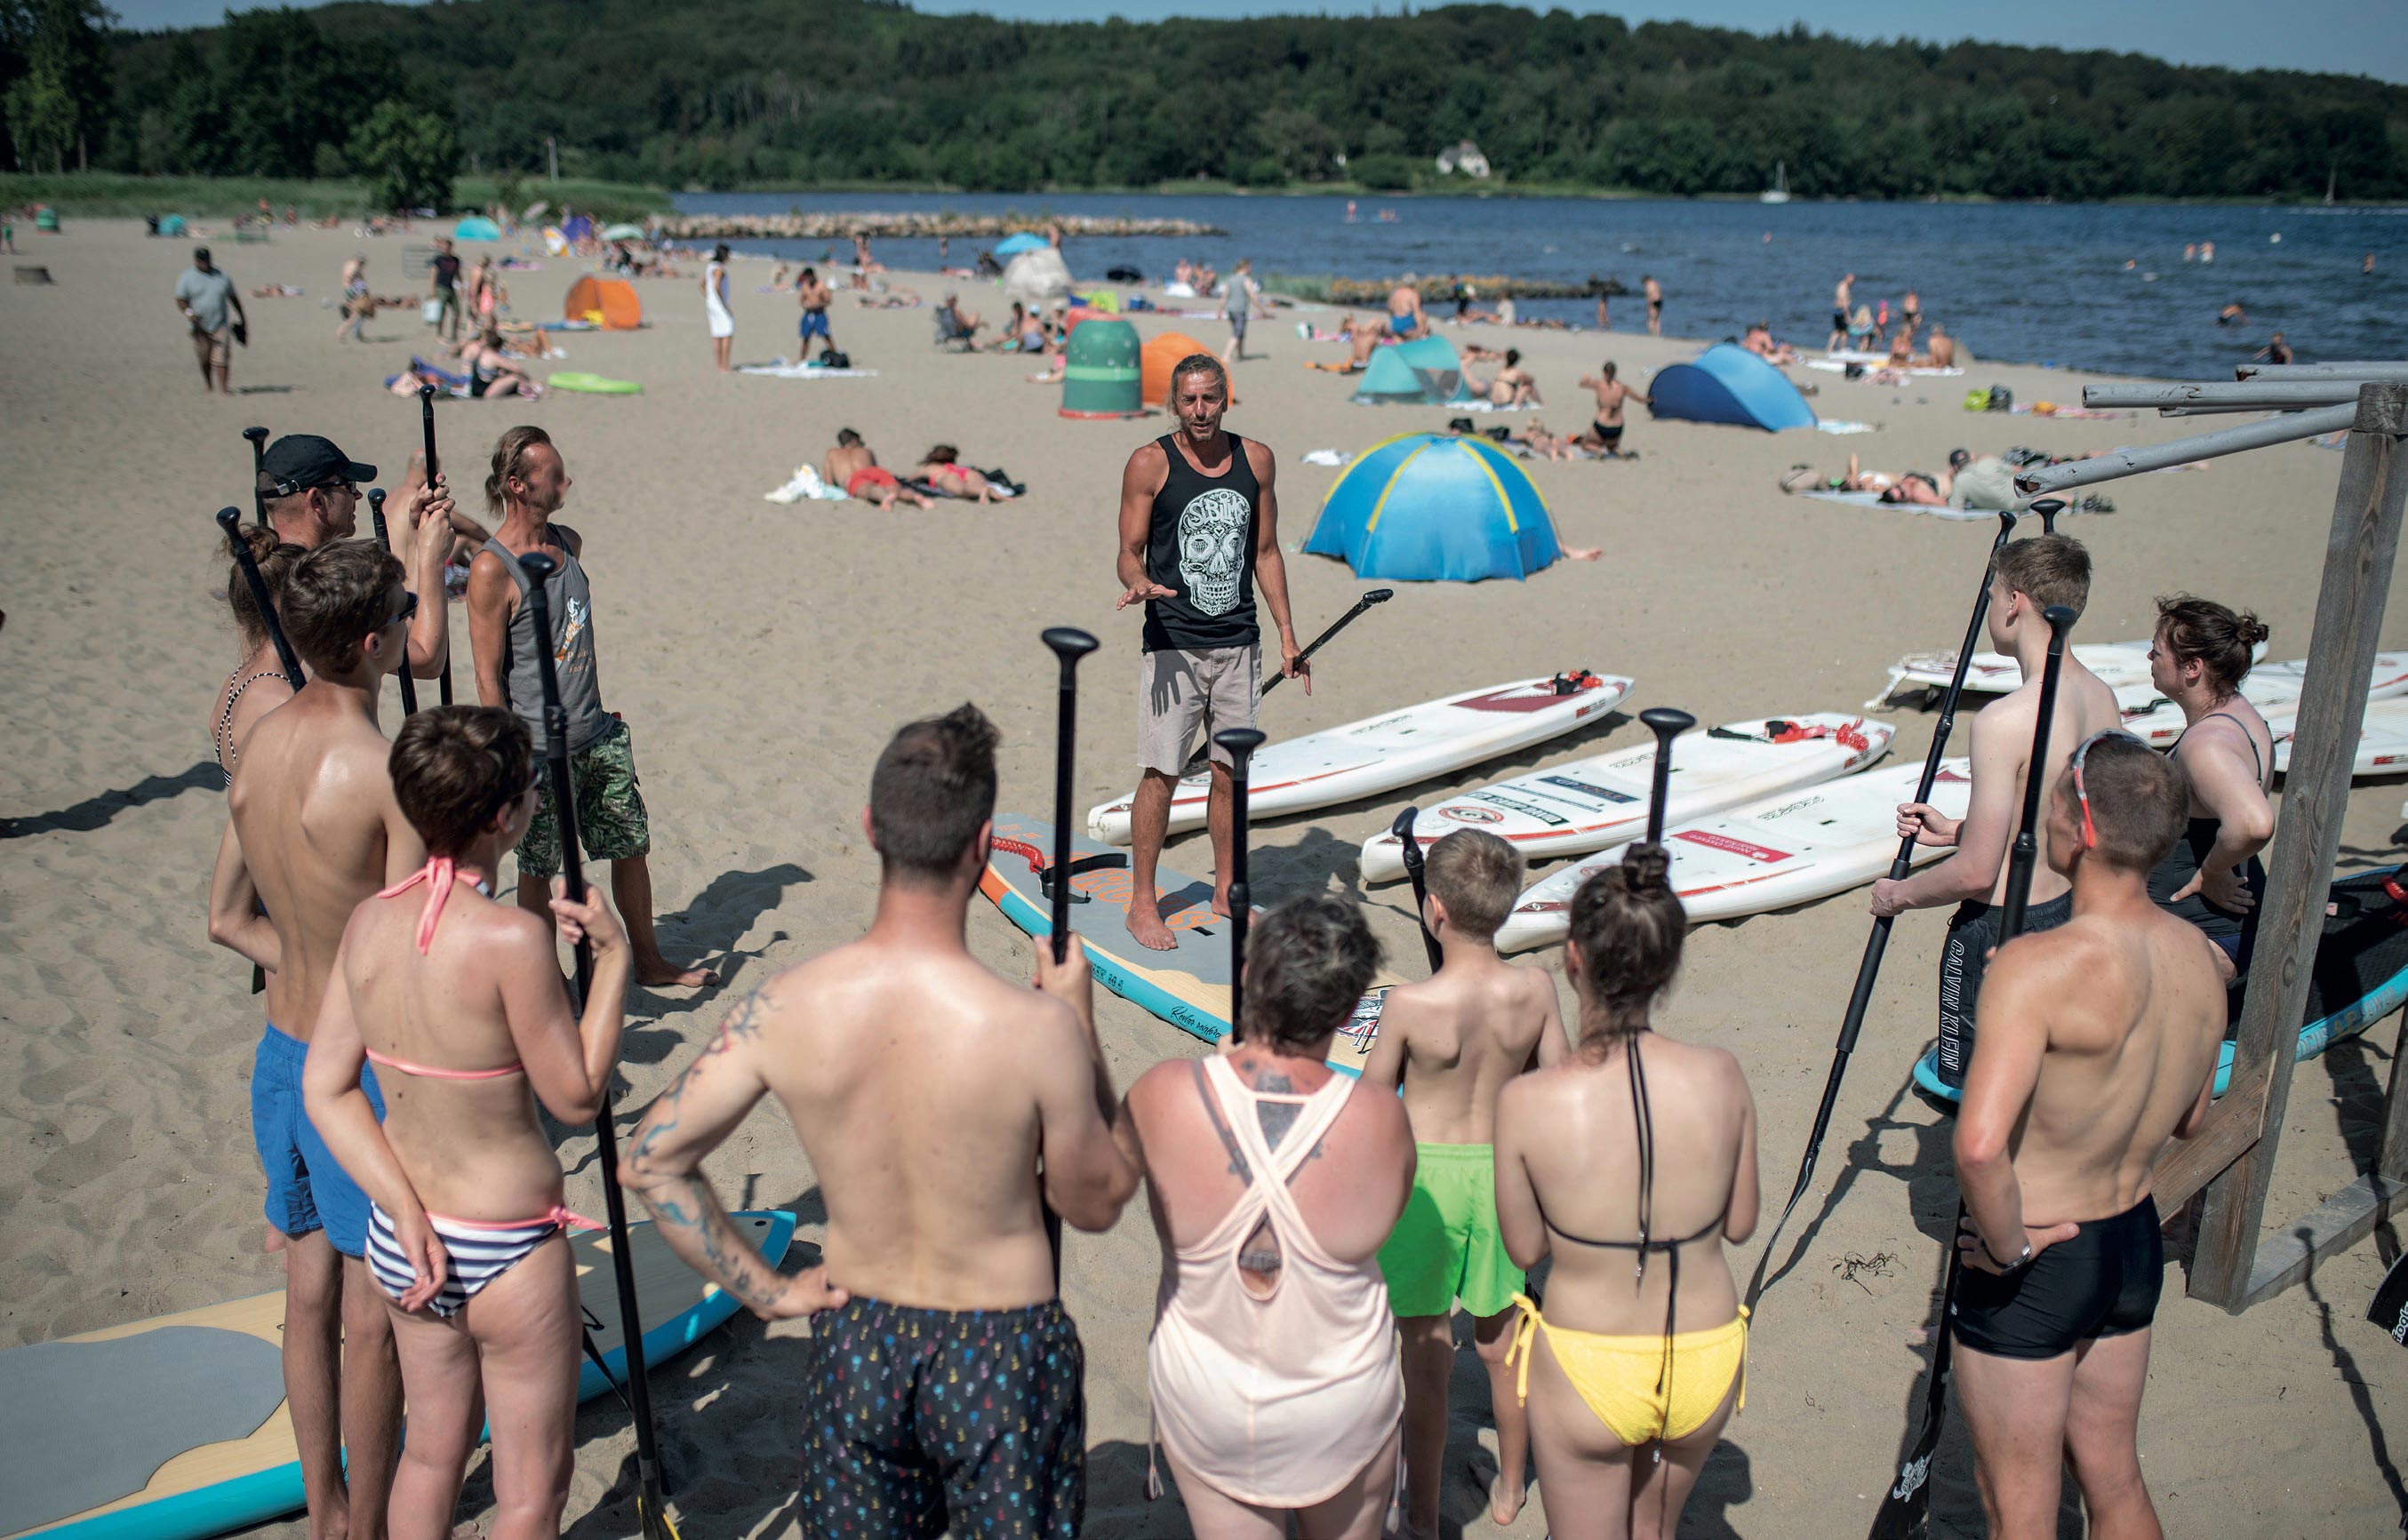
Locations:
{"points": [[457, 1000]]}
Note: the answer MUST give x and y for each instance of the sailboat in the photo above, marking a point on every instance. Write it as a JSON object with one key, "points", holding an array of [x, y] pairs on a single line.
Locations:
{"points": [[1779, 191]]}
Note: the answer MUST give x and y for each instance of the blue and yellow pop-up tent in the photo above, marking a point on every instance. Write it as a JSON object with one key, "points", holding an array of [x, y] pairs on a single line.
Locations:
{"points": [[1432, 507]]}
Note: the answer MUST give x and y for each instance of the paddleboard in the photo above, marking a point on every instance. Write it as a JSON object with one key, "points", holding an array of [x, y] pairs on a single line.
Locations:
{"points": [[223, 1363], [1188, 986], [2382, 745], [1595, 804], [2360, 976], [1381, 753], [2116, 663], [1789, 848]]}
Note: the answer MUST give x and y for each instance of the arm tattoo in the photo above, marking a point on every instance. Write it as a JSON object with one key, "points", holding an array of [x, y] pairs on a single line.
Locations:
{"points": [[743, 1024], [688, 1203], [1229, 1140]]}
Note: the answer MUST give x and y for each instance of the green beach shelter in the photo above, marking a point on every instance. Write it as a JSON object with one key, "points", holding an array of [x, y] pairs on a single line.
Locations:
{"points": [[1099, 375]]}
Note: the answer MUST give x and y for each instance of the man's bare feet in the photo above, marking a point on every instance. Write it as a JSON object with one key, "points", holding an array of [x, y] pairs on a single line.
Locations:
{"points": [[658, 972], [1146, 924]]}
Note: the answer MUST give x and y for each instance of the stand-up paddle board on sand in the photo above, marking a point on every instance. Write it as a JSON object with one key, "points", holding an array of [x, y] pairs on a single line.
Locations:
{"points": [[1595, 804], [2360, 976], [176, 1428], [2382, 742], [1790, 849], [2120, 664], [1396, 749], [1188, 986]]}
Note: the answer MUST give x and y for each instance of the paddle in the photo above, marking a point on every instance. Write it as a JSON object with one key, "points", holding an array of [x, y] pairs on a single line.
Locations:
{"points": [[1377, 596], [258, 437], [1667, 724], [654, 1518], [409, 685], [426, 432], [1869, 967], [1906, 1510], [1403, 829], [1241, 742], [1069, 645], [230, 520]]}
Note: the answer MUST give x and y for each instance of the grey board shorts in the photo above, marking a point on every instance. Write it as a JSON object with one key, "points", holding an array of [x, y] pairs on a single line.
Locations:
{"points": [[1181, 692]]}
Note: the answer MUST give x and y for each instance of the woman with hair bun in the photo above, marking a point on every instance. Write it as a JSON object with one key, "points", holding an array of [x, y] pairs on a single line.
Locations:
{"points": [[258, 685], [1641, 1354], [2198, 658]]}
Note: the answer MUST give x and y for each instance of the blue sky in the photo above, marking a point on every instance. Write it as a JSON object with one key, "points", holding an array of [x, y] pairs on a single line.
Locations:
{"points": [[2346, 37]]}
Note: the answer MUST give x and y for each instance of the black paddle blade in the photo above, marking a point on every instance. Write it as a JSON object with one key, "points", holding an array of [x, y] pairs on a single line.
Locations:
{"points": [[2389, 1307], [1906, 1507]]}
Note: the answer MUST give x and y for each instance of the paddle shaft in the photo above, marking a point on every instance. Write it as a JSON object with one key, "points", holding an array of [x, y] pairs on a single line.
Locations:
{"points": [[1667, 724], [1377, 596], [258, 437], [1069, 645], [1403, 829], [426, 432], [409, 685], [1877, 944], [1903, 1511], [538, 567], [1241, 742]]}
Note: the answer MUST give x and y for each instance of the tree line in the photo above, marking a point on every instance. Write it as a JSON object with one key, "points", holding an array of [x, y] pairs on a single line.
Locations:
{"points": [[726, 94]]}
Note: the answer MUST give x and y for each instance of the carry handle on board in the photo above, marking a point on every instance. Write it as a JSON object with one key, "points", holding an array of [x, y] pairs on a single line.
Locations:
{"points": [[1241, 742], [408, 686], [1403, 832], [651, 1513], [1376, 596]]}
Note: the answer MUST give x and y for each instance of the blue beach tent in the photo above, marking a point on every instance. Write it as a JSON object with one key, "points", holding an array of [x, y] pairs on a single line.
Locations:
{"points": [[1730, 384], [476, 227], [1012, 246], [1432, 507], [1414, 374]]}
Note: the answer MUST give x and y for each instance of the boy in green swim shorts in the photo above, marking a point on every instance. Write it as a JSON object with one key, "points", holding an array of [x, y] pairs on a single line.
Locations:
{"points": [[1452, 1042]]}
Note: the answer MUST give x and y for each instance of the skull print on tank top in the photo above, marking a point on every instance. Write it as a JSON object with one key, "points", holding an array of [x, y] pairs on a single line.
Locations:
{"points": [[1202, 545]]}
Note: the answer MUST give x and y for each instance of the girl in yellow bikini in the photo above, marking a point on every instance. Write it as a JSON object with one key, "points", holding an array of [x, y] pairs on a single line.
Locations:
{"points": [[1641, 1355]]}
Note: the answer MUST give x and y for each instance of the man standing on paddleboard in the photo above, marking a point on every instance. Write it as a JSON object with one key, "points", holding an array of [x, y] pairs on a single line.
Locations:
{"points": [[1199, 528]]}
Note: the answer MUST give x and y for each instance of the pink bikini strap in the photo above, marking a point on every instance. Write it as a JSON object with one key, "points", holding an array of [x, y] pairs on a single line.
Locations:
{"points": [[438, 874], [556, 1214]]}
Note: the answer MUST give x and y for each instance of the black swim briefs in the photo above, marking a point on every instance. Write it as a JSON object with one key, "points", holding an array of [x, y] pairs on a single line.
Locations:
{"points": [[1605, 435], [924, 1422], [2102, 1283], [1964, 958]]}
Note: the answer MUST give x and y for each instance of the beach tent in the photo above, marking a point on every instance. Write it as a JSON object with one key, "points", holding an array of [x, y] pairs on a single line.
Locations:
{"points": [[1162, 352], [1730, 384], [1027, 240], [1433, 508], [577, 227], [609, 303], [172, 226], [1037, 277], [476, 227], [1414, 374]]}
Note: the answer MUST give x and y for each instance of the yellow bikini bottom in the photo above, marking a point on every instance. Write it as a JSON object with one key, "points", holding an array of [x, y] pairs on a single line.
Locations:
{"points": [[1642, 1389]]}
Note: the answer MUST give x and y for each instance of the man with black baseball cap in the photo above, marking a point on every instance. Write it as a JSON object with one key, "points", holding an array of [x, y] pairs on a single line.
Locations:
{"points": [[204, 295], [312, 491]]}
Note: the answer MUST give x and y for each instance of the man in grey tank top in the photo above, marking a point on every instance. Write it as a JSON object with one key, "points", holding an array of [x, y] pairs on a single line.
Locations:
{"points": [[529, 482]]}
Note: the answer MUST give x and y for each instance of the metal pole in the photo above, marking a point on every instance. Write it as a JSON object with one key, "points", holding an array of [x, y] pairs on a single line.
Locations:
{"points": [[2180, 451], [2272, 395], [2374, 370]]}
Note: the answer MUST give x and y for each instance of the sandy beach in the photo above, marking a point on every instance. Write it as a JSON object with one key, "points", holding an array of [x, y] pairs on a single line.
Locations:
{"points": [[762, 654]]}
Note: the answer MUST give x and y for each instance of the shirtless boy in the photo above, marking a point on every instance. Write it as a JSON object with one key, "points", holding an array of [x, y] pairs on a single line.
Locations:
{"points": [[2025, 577], [316, 829], [1455, 1040], [854, 466], [936, 1270], [2098, 1043], [1611, 394], [1840, 298], [813, 296]]}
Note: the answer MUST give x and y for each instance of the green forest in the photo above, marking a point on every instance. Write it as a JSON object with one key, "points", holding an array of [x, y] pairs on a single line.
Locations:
{"points": [[732, 93]]}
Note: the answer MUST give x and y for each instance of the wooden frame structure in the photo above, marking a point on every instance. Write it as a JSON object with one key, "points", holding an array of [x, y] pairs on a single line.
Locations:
{"points": [[2232, 1156]]}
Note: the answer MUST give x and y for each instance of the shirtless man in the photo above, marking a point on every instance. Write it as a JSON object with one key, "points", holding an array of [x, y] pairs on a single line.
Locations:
{"points": [[854, 466], [935, 1265], [813, 296], [314, 830], [1840, 295], [1654, 292], [2026, 576], [1405, 318], [2098, 1044], [1943, 349], [1611, 394], [1759, 341], [1454, 1040]]}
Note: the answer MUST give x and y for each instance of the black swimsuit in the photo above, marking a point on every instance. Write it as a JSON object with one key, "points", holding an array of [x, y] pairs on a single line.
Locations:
{"points": [[2233, 931]]}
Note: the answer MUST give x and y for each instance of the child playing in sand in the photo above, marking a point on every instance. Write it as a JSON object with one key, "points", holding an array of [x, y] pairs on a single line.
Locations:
{"points": [[1462, 1035], [458, 998]]}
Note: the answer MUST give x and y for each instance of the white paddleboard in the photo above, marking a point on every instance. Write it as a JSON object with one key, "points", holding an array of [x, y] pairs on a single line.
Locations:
{"points": [[2286, 679], [1595, 804], [1382, 753], [1786, 849]]}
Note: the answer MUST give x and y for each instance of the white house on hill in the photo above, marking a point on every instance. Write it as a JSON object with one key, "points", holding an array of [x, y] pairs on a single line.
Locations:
{"points": [[1465, 157]]}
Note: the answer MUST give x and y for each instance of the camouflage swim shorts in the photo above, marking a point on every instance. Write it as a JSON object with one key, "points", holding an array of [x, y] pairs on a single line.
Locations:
{"points": [[611, 824]]}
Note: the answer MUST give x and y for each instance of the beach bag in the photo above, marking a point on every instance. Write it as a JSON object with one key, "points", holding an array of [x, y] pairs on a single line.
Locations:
{"points": [[431, 312], [836, 360], [2001, 399], [1977, 401]]}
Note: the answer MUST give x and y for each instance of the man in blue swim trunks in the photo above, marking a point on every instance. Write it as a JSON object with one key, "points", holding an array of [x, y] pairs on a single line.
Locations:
{"points": [[314, 830], [814, 297]]}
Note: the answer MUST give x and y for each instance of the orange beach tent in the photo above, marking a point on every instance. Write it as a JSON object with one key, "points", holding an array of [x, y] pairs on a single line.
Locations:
{"points": [[1160, 355], [609, 303]]}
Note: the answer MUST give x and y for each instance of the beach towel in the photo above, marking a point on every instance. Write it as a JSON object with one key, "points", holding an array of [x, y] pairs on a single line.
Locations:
{"points": [[783, 370], [1836, 365], [1873, 500], [805, 487], [1843, 427]]}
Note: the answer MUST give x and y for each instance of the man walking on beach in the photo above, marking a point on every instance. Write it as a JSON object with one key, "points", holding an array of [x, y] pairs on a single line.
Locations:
{"points": [[943, 1382], [2025, 577], [204, 296], [529, 483], [1198, 529], [813, 296], [314, 829], [1839, 301], [443, 288], [2098, 1044], [1238, 300]]}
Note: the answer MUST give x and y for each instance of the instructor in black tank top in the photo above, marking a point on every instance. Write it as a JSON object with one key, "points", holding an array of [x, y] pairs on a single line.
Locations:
{"points": [[1199, 528]]}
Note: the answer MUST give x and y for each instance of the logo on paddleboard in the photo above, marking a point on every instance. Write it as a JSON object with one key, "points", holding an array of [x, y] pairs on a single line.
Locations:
{"points": [[1462, 814]]}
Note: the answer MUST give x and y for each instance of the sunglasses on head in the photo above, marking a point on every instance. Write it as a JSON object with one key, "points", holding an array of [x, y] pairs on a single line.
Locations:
{"points": [[2081, 793]]}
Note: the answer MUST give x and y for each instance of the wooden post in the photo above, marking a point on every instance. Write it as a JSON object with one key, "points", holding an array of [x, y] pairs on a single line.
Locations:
{"points": [[2358, 552]]}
